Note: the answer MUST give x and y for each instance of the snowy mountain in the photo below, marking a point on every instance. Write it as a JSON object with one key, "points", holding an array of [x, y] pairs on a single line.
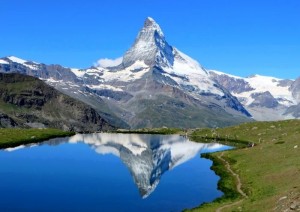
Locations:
{"points": [[154, 85], [266, 98]]}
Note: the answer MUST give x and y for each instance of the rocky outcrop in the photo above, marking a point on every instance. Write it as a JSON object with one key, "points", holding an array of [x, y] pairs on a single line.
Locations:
{"points": [[32, 102], [232, 84], [264, 99], [295, 89], [6, 121]]}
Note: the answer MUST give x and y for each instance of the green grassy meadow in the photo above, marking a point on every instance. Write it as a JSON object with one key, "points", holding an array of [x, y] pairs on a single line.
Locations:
{"points": [[269, 171]]}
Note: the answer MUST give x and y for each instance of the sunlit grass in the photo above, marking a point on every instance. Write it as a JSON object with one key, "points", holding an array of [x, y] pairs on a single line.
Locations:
{"points": [[14, 137], [269, 170]]}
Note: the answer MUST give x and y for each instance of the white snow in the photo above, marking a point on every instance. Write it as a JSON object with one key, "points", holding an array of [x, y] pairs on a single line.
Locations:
{"points": [[154, 26], [196, 76], [127, 74], [17, 60], [3, 62], [103, 86], [24, 62], [184, 64], [262, 84], [78, 72], [51, 80], [33, 67]]}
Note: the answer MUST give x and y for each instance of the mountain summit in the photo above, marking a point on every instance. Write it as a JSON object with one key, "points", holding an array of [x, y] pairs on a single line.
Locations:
{"points": [[150, 46], [155, 85]]}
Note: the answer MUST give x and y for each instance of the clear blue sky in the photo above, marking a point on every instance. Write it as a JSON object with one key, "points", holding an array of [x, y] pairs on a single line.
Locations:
{"points": [[240, 37]]}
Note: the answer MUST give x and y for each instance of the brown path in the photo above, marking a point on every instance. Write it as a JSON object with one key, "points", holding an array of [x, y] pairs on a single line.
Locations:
{"points": [[238, 186]]}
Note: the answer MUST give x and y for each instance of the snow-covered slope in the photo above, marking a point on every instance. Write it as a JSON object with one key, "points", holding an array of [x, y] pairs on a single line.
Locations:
{"points": [[266, 98]]}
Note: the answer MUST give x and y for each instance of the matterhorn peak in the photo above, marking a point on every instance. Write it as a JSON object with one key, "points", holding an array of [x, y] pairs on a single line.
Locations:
{"points": [[150, 47], [150, 24]]}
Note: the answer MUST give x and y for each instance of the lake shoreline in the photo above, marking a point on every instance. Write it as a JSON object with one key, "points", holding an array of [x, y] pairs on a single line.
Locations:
{"points": [[129, 147], [10, 137], [31, 136]]}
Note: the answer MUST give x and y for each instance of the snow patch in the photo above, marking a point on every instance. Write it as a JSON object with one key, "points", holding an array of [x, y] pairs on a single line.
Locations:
{"points": [[137, 65], [51, 80], [190, 73], [102, 86], [3, 62], [184, 64], [78, 72], [127, 74], [17, 60], [32, 66]]}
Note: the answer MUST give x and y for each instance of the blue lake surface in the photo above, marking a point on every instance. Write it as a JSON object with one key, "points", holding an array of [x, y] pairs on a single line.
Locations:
{"points": [[108, 172]]}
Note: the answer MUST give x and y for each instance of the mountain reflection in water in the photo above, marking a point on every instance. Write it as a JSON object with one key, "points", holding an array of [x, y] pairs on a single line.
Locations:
{"points": [[147, 157]]}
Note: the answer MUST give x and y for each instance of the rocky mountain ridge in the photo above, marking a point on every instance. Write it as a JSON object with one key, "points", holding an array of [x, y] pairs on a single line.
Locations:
{"points": [[26, 101], [266, 98]]}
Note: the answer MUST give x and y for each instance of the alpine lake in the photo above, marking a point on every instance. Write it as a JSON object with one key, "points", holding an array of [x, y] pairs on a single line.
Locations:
{"points": [[108, 172]]}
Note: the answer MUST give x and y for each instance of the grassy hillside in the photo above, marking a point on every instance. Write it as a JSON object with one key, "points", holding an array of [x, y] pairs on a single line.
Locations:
{"points": [[16, 137], [269, 171]]}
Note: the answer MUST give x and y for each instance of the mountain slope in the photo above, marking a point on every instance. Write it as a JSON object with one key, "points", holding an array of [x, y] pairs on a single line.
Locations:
{"points": [[64, 80], [266, 98], [29, 102]]}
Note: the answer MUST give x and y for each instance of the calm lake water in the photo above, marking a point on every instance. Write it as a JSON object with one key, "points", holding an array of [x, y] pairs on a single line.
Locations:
{"points": [[108, 172]]}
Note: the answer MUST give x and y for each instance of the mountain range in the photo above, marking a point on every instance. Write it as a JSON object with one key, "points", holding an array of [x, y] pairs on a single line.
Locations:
{"points": [[265, 98], [155, 85]]}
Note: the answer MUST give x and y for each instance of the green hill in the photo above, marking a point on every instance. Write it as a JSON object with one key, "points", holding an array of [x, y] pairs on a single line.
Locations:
{"points": [[269, 171]]}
